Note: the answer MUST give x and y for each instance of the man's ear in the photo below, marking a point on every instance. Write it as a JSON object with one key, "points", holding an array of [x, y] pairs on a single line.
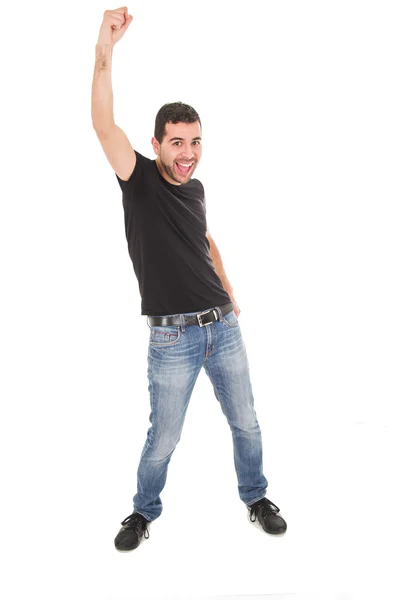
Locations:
{"points": [[156, 146]]}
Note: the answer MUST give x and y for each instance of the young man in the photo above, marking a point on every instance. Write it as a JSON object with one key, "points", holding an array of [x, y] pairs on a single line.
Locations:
{"points": [[188, 300]]}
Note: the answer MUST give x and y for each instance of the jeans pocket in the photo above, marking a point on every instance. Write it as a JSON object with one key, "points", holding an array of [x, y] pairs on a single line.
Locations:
{"points": [[230, 319], [164, 335]]}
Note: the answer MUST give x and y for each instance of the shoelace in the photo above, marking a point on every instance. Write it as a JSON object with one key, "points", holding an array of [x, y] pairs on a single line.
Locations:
{"points": [[265, 506], [137, 522]]}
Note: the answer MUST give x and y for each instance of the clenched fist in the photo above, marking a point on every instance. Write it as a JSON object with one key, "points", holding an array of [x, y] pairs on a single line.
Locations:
{"points": [[114, 25]]}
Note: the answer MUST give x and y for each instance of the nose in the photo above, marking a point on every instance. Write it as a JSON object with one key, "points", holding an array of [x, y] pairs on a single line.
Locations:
{"points": [[187, 152]]}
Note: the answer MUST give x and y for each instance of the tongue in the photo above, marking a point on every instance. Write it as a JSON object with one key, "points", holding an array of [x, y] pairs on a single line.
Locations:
{"points": [[182, 168]]}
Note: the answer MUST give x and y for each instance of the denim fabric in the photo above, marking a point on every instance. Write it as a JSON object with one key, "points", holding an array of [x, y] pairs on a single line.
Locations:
{"points": [[176, 355]]}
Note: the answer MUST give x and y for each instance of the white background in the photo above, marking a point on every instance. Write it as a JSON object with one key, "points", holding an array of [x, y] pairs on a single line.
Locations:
{"points": [[298, 104]]}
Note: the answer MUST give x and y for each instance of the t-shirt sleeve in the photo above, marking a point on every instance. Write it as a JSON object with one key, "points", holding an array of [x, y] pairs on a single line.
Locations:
{"points": [[135, 175]]}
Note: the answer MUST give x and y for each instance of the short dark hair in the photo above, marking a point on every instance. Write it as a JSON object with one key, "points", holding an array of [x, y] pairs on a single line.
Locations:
{"points": [[174, 112]]}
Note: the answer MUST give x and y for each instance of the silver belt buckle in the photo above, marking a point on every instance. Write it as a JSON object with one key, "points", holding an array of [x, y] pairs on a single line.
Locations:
{"points": [[201, 314]]}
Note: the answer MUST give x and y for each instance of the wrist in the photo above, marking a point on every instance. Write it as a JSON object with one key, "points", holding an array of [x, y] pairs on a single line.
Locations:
{"points": [[105, 37], [103, 46]]}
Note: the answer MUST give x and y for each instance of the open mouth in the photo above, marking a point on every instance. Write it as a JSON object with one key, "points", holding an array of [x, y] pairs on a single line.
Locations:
{"points": [[184, 168]]}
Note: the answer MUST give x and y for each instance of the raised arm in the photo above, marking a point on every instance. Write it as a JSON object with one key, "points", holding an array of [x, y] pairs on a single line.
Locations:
{"points": [[114, 142]]}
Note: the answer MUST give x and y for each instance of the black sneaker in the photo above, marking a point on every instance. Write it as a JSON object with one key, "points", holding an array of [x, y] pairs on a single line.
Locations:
{"points": [[266, 513], [130, 535]]}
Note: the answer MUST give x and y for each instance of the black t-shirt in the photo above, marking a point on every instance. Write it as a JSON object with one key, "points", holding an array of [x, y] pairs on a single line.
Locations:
{"points": [[165, 226]]}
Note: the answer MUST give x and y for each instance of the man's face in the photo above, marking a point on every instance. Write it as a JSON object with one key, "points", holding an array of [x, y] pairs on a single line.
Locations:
{"points": [[180, 151]]}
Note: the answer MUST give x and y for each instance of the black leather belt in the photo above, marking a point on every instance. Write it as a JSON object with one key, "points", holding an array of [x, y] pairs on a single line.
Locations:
{"points": [[204, 318]]}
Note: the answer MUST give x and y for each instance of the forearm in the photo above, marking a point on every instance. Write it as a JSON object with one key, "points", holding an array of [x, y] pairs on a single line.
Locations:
{"points": [[102, 93], [219, 268]]}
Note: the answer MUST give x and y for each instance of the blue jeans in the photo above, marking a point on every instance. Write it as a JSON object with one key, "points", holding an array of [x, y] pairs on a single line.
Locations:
{"points": [[175, 357]]}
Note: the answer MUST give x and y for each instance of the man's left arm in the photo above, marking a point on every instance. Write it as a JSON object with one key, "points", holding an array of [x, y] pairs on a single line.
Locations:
{"points": [[220, 271]]}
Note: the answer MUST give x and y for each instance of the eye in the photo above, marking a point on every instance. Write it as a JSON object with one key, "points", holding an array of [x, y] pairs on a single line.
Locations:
{"points": [[196, 143], [176, 143]]}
